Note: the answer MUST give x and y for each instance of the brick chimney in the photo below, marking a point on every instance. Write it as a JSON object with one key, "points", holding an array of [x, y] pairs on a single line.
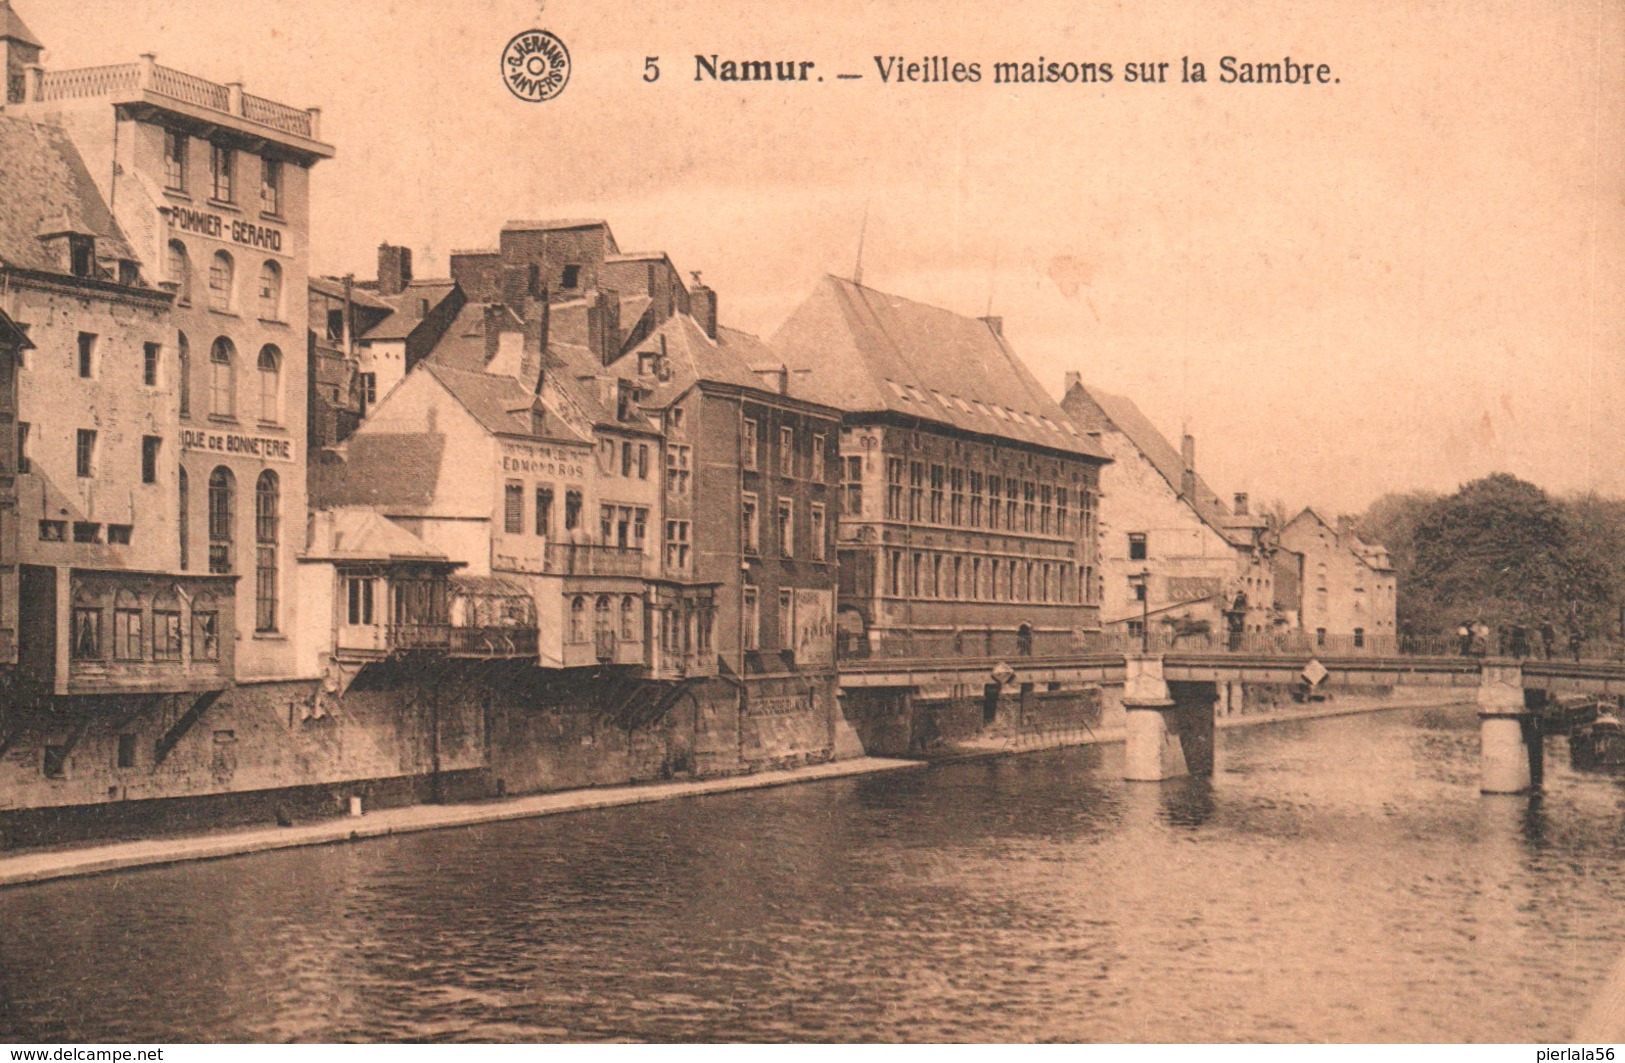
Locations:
{"points": [[537, 320], [496, 322], [394, 269], [1073, 379], [1187, 475], [516, 288], [604, 324], [703, 304], [1345, 530], [1241, 504]]}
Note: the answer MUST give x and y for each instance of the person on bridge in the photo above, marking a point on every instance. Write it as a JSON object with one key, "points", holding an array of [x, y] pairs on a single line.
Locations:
{"points": [[1520, 641], [1548, 638], [1465, 634], [1576, 640], [1481, 639]]}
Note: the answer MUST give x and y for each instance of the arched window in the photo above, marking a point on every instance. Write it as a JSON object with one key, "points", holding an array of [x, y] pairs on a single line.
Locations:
{"points": [[223, 378], [629, 619], [183, 370], [578, 619], [271, 291], [270, 366], [601, 622], [127, 626], [222, 507], [222, 282], [267, 503], [180, 273], [185, 520]]}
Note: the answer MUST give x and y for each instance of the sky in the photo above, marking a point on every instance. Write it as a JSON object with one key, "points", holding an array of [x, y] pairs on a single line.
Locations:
{"points": [[1404, 279]]}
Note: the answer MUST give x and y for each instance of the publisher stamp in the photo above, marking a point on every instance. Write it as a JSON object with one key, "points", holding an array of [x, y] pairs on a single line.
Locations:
{"points": [[536, 66]]}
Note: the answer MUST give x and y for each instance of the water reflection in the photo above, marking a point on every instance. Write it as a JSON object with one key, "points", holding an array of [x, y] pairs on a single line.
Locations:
{"points": [[1335, 880]]}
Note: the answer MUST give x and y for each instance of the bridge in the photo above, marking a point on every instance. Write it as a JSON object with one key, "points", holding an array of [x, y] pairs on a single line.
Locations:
{"points": [[1169, 696]]}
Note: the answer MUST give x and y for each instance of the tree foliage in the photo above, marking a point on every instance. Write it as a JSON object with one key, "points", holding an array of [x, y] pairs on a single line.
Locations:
{"points": [[1501, 550]]}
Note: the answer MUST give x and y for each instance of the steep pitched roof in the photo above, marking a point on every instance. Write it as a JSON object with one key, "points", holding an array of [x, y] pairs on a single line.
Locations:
{"points": [[406, 308], [62, 196], [497, 402], [865, 351], [351, 478], [692, 356], [12, 26], [1373, 555], [463, 344], [1095, 410], [358, 533]]}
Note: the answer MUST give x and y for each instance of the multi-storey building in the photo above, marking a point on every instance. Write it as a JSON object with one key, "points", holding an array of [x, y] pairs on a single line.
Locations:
{"points": [[967, 498], [14, 343], [1172, 554], [1341, 591]]}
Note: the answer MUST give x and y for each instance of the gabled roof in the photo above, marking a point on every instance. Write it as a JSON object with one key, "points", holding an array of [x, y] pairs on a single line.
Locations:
{"points": [[1373, 555], [359, 533], [412, 458], [407, 308], [1095, 410], [61, 197], [865, 351], [13, 336], [692, 356], [12, 26], [498, 403]]}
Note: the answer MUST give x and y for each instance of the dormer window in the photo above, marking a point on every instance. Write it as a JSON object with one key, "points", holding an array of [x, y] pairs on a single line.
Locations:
{"points": [[81, 255], [648, 363]]}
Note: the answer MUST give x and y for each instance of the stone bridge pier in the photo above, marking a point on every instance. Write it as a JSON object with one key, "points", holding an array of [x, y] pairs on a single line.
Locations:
{"points": [[1511, 747], [1169, 726]]}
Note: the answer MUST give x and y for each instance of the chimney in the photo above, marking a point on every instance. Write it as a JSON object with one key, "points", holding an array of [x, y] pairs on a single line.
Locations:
{"points": [[515, 288], [995, 325], [19, 56], [537, 320], [496, 321], [604, 324], [1187, 477], [1241, 504], [394, 269], [703, 302], [1345, 530], [1073, 379]]}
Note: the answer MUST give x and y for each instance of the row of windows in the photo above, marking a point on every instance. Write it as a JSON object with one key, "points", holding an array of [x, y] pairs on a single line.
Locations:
{"points": [[604, 613], [969, 498], [222, 172], [792, 461], [926, 574], [751, 619], [142, 634], [513, 510], [784, 526], [634, 458], [222, 529], [267, 303]]}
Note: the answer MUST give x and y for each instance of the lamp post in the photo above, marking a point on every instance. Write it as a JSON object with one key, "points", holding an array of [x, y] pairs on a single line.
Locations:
{"points": [[1141, 581]]}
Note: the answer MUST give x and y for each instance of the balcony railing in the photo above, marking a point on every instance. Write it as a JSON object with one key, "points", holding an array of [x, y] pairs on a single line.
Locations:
{"points": [[493, 642], [575, 559], [146, 76]]}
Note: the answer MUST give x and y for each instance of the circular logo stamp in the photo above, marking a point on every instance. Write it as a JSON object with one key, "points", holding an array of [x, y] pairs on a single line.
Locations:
{"points": [[535, 66]]}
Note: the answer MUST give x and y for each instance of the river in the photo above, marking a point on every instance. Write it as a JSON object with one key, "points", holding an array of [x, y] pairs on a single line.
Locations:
{"points": [[1336, 880]]}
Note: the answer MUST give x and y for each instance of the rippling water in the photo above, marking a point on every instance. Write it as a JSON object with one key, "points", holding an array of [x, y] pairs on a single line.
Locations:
{"points": [[1336, 880]]}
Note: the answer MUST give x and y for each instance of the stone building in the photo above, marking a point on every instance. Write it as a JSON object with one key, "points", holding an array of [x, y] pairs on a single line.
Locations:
{"points": [[1341, 591], [1171, 551], [967, 499]]}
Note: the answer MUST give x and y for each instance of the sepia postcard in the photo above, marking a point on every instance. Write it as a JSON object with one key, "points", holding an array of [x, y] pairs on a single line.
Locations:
{"points": [[528, 521]]}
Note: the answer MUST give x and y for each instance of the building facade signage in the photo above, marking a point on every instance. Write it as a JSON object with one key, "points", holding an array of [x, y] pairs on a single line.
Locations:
{"points": [[815, 627], [1192, 588], [543, 460], [266, 448], [188, 220]]}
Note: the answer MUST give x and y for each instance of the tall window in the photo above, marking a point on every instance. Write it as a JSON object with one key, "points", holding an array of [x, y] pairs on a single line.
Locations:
{"points": [[359, 592], [578, 619], [572, 510], [183, 508], [787, 528], [223, 378], [677, 532], [852, 486], [85, 452], [894, 488], [150, 446], [956, 496], [1010, 486], [750, 525], [679, 460], [368, 383], [151, 359], [1028, 508], [937, 474], [513, 507], [222, 281], [994, 483], [126, 627], [544, 510], [787, 451], [271, 291], [270, 372], [267, 503], [916, 490], [751, 444], [180, 273], [175, 160], [819, 442], [222, 506], [270, 186], [223, 168], [643, 461], [975, 518], [87, 354], [25, 464], [752, 621], [183, 369], [629, 620], [817, 532]]}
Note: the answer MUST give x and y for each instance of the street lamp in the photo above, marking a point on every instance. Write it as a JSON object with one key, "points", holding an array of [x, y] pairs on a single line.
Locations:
{"points": [[1141, 582]]}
